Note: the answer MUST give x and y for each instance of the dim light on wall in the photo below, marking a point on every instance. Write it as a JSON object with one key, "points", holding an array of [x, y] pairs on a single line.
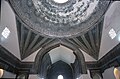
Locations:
{"points": [[1, 73], [116, 73]]}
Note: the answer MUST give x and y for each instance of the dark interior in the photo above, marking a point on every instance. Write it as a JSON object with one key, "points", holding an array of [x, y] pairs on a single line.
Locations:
{"points": [[60, 68]]}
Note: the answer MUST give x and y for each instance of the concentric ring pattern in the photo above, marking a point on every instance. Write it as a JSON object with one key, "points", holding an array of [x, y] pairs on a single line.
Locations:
{"points": [[49, 18]]}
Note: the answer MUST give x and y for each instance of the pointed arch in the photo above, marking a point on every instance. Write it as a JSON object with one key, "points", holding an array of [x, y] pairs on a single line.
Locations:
{"points": [[54, 44]]}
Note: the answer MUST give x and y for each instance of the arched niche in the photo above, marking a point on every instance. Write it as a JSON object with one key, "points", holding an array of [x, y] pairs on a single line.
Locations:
{"points": [[60, 70], [62, 53], [39, 57]]}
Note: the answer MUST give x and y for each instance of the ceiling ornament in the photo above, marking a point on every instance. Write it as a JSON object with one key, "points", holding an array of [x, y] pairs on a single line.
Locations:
{"points": [[54, 19]]}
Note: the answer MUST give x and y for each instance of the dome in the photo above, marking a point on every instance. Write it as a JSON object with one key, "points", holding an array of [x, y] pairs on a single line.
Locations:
{"points": [[60, 19]]}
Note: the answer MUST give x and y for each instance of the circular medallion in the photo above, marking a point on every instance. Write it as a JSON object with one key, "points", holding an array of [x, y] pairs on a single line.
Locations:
{"points": [[67, 18]]}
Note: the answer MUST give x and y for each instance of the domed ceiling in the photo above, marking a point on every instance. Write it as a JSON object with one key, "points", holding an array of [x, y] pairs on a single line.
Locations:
{"points": [[41, 25], [60, 19]]}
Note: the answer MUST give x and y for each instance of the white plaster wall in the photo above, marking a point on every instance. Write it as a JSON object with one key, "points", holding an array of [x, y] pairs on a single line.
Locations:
{"points": [[112, 20], [109, 73], [31, 58], [62, 53], [8, 19], [88, 57]]}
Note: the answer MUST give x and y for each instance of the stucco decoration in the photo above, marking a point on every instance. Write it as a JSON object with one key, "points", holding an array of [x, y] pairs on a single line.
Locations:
{"points": [[53, 19]]}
